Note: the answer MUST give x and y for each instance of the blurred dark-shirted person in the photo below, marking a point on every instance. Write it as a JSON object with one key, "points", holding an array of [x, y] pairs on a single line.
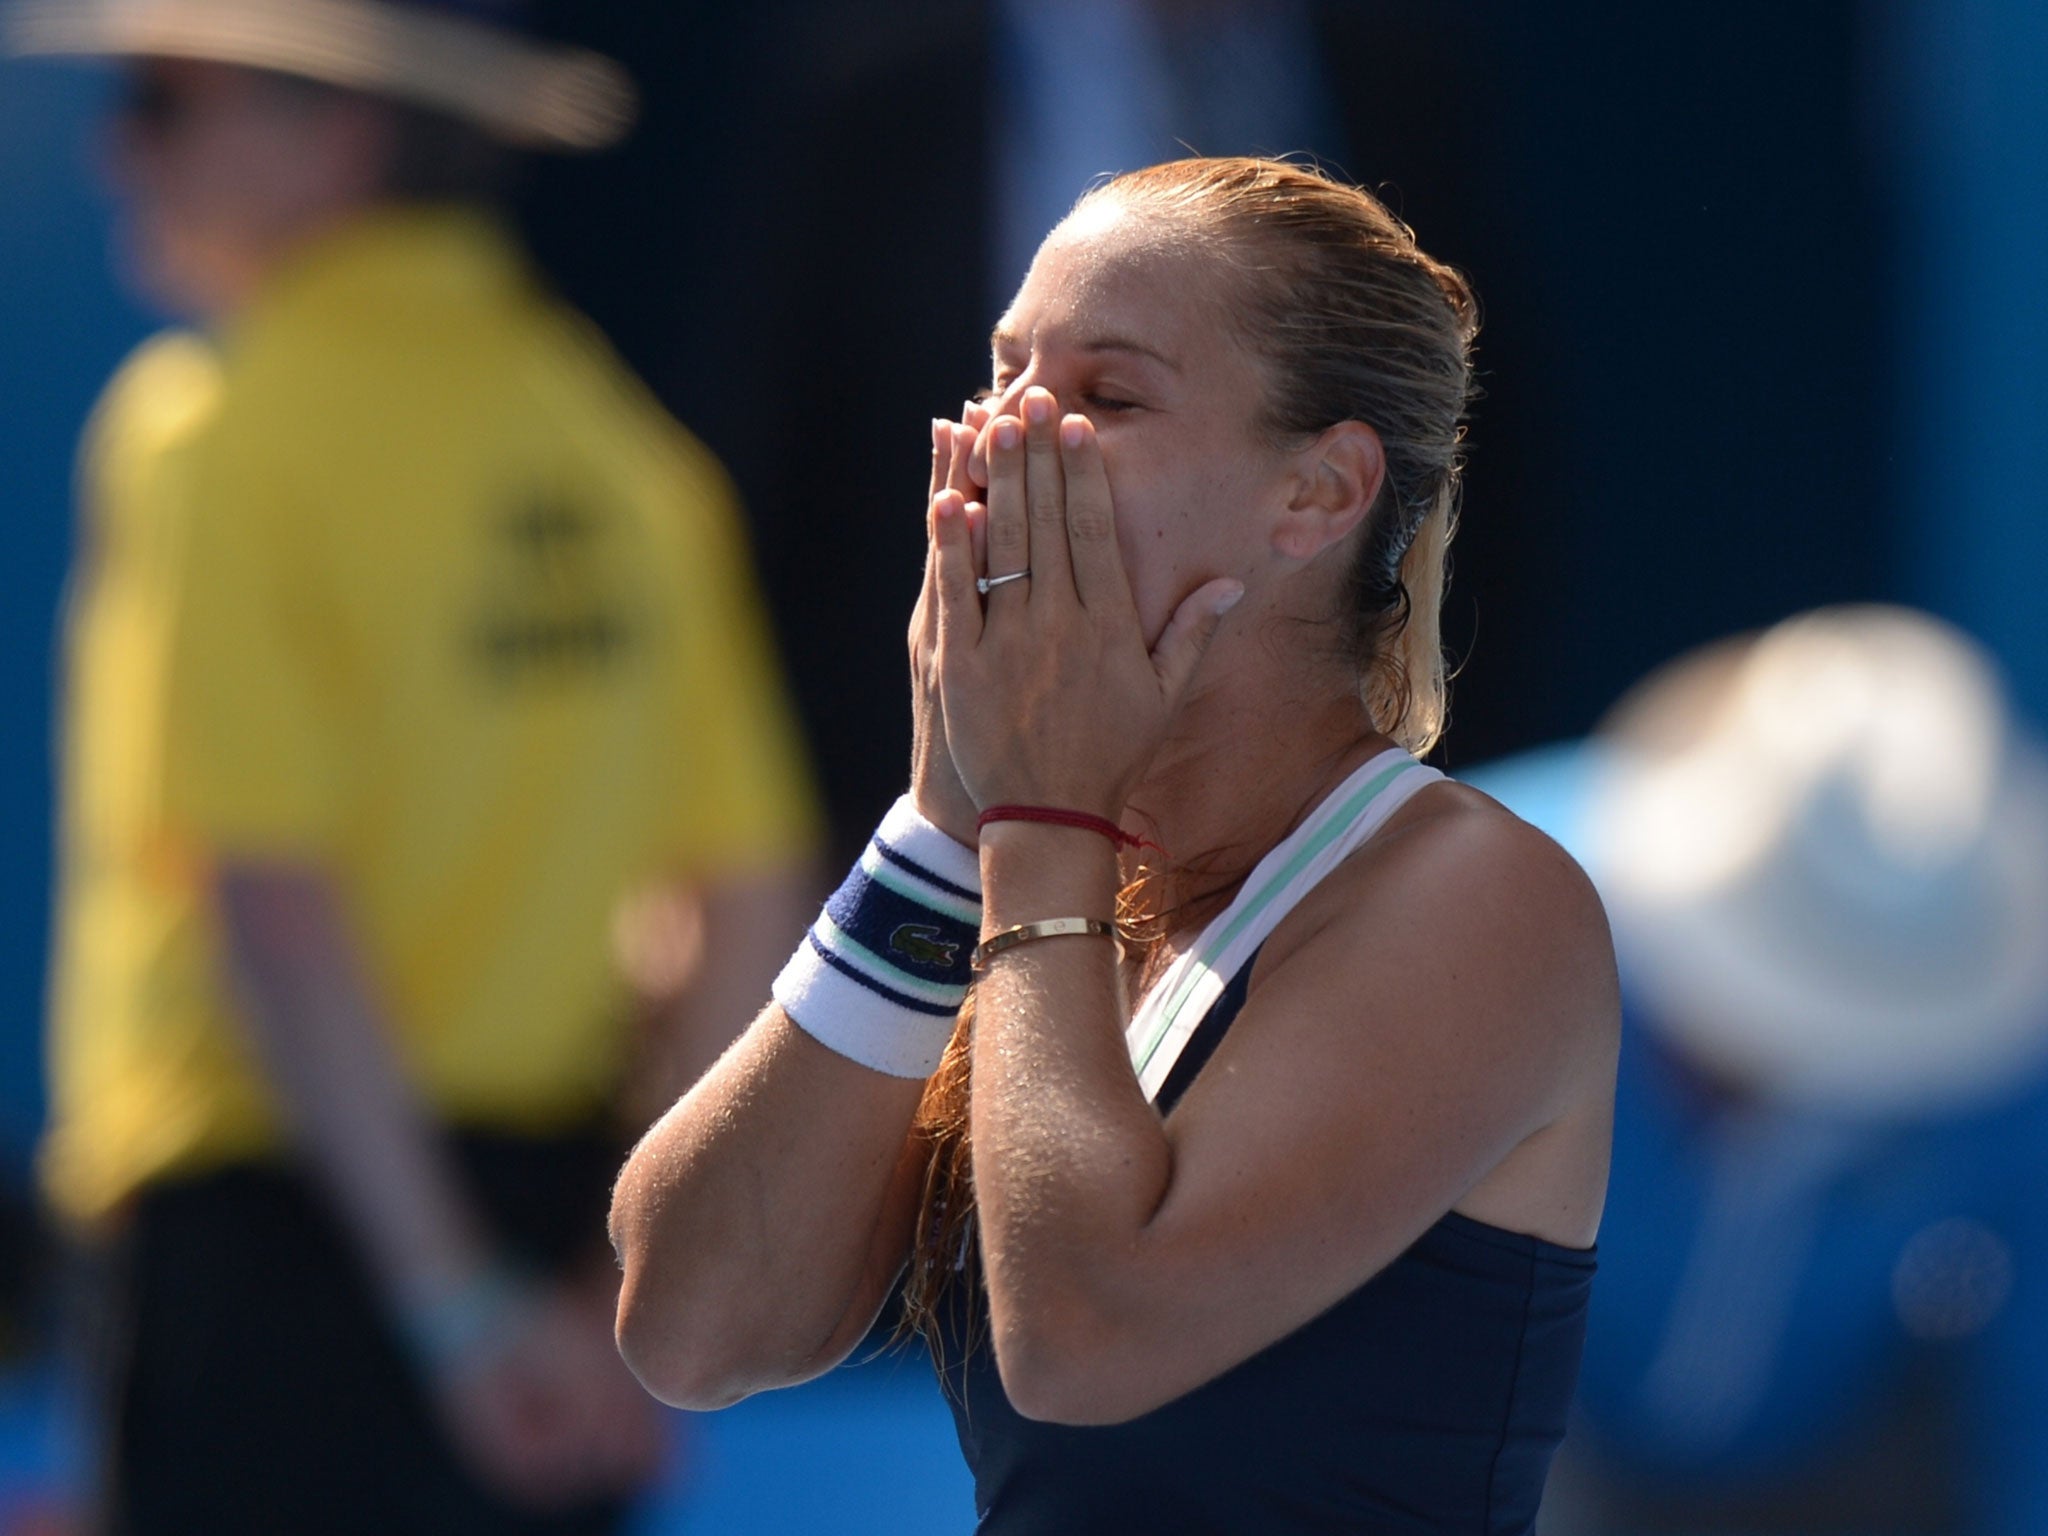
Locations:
{"points": [[408, 639]]}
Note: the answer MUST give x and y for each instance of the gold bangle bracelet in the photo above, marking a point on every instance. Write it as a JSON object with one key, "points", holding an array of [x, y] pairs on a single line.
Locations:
{"points": [[1024, 933]]}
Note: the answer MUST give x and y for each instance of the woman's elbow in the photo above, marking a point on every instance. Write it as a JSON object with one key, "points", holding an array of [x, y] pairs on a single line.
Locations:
{"points": [[671, 1352], [1074, 1374], [688, 1333], [667, 1326], [706, 1346]]}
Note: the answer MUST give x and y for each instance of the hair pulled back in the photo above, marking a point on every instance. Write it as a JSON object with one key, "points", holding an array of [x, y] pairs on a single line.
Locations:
{"points": [[1351, 321]]}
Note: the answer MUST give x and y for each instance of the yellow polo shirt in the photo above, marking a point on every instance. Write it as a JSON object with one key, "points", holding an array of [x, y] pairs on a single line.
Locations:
{"points": [[407, 579]]}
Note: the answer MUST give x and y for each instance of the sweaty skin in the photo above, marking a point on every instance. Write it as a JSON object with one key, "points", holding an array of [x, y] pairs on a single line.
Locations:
{"points": [[1434, 1028]]}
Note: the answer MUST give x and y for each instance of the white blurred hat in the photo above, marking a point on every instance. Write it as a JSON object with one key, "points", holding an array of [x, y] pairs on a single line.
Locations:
{"points": [[462, 57], [1824, 850]]}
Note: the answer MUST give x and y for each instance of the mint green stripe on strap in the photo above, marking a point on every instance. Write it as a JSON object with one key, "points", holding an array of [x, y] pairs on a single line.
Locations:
{"points": [[1345, 818]]}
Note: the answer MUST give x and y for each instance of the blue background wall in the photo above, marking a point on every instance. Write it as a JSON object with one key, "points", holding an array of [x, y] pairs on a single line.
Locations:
{"points": [[63, 327]]}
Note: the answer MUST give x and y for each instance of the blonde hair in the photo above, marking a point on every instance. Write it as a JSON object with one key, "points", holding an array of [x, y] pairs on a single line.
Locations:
{"points": [[1352, 322]]}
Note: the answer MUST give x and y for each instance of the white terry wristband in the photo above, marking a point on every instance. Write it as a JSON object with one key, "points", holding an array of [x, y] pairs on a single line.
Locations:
{"points": [[884, 970]]}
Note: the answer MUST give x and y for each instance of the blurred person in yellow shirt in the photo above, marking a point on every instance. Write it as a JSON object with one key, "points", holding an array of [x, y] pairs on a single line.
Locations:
{"points": [[408, 640]]}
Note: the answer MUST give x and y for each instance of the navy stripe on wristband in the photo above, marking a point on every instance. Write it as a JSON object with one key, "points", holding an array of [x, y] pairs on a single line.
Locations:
{"points": [[887, 965], [893, 931], [882, 989], [917, 871]]}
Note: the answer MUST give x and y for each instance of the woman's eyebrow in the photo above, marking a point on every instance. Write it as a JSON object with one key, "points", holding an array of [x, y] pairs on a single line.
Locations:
{"points": [[1126, 344], [1003, 340]]}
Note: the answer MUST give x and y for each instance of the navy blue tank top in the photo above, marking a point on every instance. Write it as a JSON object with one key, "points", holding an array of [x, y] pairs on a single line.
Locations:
{"points": [[1430, 1399]]}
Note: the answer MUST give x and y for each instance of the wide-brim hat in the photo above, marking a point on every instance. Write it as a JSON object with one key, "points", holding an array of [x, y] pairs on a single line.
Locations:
{"points": [[1824, 851], [520, 90]]}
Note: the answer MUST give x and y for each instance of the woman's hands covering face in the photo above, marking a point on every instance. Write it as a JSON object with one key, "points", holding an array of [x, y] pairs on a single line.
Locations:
{"points": [[1046, 693], [935, 785]]}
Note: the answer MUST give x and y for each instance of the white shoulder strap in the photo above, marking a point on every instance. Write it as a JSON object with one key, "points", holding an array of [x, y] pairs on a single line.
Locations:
{"points": [[1182, 998]]}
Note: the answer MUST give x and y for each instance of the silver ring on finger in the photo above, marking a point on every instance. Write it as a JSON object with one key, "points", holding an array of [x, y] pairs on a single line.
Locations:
{"points": [[987, 584]]}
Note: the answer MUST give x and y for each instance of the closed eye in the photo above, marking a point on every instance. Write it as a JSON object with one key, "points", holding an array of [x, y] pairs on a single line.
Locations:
{"points": [[1108, 405]]}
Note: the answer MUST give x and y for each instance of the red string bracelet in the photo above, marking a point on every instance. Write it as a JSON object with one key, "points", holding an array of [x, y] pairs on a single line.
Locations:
{"points": [[1101, 825]]}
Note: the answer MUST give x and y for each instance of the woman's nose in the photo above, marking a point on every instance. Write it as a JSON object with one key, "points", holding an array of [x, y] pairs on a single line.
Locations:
{"points": [[1011, 400]]}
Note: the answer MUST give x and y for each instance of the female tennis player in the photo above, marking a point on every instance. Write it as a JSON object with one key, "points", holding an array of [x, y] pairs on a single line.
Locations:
{"points": [[1255, 1186]]}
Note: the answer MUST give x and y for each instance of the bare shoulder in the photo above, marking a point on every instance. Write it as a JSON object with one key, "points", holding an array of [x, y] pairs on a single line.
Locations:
{"points": [[1438, 1023], [1453, 841], [1459, 966], [1458, 889]]}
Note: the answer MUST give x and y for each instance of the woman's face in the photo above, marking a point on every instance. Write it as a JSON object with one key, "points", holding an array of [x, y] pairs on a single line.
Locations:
{"points": [[1122, 321]]}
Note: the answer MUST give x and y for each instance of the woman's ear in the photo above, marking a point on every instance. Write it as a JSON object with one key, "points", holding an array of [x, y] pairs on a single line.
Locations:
{"points": [[1338, 480]]}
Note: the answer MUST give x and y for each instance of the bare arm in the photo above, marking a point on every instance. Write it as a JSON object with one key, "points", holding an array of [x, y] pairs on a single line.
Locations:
{"points": [[327, 1053], [1435, 1024], [532, 1393], [1439, 1018], [763, 1218]]}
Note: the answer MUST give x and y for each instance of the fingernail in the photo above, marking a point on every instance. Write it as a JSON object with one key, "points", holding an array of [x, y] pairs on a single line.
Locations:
{"points": [[1006, 432], [1227, 600], [1037, 407], [1073, 430]]}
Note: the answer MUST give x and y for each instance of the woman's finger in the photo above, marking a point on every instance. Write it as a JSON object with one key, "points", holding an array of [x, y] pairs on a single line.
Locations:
{"points": [[1188, 633], [1009, 533], [977, 535], [942, 456], [924, 615], [952, 560], [1090, 531], [960, 449], [977, 461], [1045, 499], [977, 415], [952, 443]]}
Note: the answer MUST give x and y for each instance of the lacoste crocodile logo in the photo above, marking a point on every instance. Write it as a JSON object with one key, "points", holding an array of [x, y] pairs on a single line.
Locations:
{"points": [[921, 942]]}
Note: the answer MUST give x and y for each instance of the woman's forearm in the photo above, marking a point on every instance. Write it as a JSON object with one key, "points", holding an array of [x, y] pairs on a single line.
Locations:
{"points": [[762, 1212], [1071, 1161], [763, 1219]]}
